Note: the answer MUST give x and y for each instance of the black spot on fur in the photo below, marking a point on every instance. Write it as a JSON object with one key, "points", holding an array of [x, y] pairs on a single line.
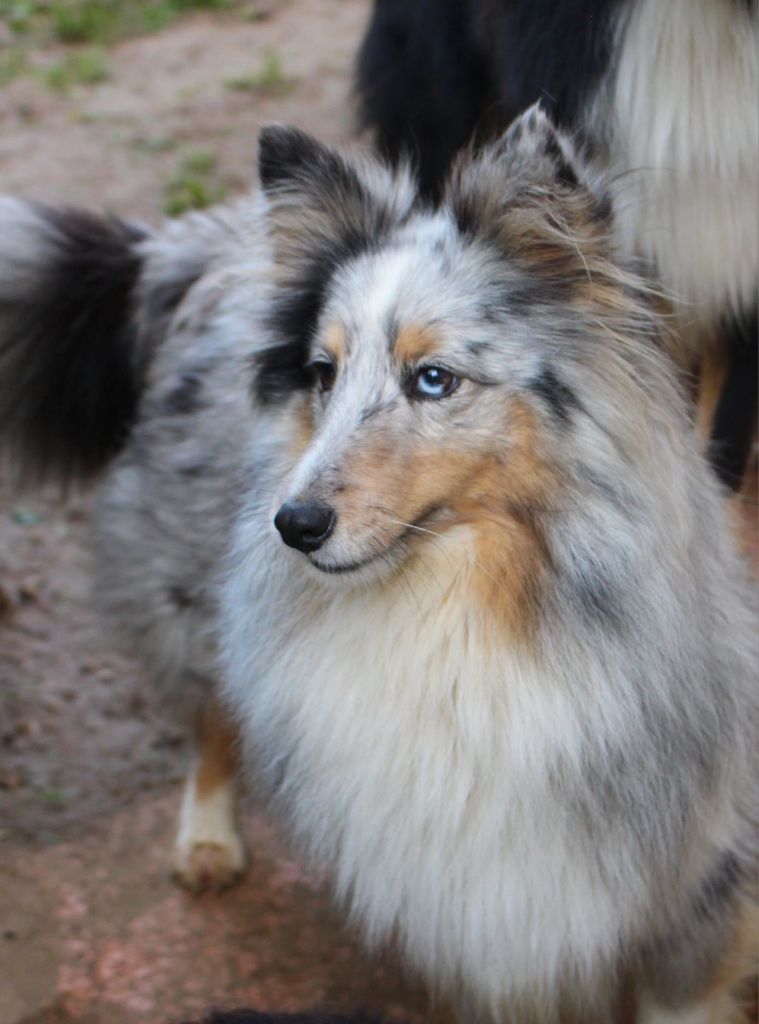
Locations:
{"points": [[491, 312], [564, 170], [593, 592], [186, 396], [180, 597], [193, 469], [536, 291], [280, 369], [693, 948], [735, 419], [603, 209], [392, 330], [557, 395], [517, 130], [70, 370], [615, 494], [467, 212], [478, 347], [597, 600], [720, 887], [164, 296], [337, 221]]}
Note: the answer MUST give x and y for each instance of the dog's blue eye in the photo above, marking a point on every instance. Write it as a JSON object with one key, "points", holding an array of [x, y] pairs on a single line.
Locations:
{"points": [[434, 382], [323, 373]]}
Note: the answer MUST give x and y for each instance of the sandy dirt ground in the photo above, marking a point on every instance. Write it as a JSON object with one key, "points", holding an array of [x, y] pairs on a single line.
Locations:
{"points": [[91, 928]]}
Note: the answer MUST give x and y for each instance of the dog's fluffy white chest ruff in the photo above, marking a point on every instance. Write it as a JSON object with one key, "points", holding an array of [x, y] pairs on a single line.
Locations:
{"points": [[419, 758]]}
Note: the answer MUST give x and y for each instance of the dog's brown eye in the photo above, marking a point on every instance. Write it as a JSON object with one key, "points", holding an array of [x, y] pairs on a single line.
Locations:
{"points": [[323, 372], [433, 382]]}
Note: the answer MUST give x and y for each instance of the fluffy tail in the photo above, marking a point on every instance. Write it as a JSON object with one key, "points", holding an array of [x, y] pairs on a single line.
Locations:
{"points": [[70, 368]]}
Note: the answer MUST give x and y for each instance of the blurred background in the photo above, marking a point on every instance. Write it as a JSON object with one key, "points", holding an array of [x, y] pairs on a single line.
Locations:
{"points": [[147, 108]]}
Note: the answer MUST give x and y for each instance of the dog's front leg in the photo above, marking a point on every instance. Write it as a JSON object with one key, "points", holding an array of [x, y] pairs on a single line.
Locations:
{"points": [[209, 853]]}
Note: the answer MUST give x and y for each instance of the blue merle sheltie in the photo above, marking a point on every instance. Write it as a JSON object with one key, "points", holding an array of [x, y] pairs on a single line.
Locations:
{"points": [[414, 486], [661, 93]]}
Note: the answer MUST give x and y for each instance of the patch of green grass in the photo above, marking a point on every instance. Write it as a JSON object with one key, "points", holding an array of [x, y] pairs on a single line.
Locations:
{"points": [[270, 78], [187, 193], [18, 15], [87, 21], [99, 21], [90, 66], [54, 796], [23, 516], [82, 67], [12, 64], [194, 185], [200, 161], [152, 144], [204, 5], [240, 83]]}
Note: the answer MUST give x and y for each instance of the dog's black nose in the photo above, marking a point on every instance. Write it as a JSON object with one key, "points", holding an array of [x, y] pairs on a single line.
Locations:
{"points": [[305, 525]]}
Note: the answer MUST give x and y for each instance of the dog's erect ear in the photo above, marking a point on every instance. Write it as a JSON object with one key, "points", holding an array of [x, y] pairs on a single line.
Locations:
{"points": [[533, 147], [290, 161], [322, 200], [532, 162]]}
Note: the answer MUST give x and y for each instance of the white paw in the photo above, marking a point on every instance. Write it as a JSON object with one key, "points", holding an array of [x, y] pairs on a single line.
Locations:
{"points": [[209, 853], [209, 866]]}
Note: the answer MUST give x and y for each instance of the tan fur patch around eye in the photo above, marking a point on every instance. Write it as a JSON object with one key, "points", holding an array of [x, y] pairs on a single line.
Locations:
{"points": [[414, 344], [335, 341]]}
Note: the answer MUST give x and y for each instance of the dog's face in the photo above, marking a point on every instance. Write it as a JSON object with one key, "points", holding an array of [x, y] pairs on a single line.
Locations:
{"points": [[425, 345], [414, 420]]}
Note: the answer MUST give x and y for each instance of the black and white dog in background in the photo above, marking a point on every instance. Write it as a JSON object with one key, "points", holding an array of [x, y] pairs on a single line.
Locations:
{"points": [[663, 93]]}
